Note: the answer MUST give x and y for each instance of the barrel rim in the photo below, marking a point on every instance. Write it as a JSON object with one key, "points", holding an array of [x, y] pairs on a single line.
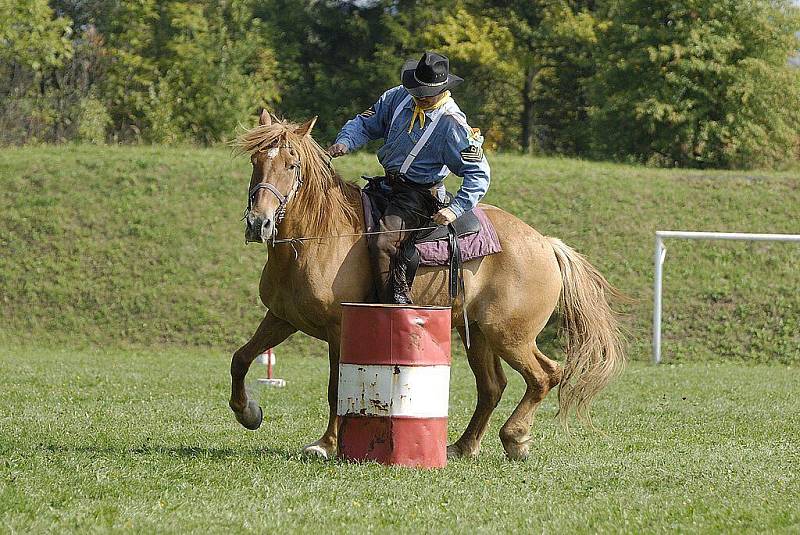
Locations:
{"points": [[409, 307]]}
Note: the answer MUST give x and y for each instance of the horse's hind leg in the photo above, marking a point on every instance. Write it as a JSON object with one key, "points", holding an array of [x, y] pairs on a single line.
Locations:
{"points": [[551, 367], [490, 380], [540, 375], [271, 332]]}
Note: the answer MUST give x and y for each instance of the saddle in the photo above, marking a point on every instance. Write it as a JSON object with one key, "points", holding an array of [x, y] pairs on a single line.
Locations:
{"points": [[465, 225]]}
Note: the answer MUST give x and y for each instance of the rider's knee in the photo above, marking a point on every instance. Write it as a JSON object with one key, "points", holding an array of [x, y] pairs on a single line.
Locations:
{"points": [[385, 244]]}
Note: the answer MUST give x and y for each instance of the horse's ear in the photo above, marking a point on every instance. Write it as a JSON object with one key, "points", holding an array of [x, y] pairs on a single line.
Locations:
{"points": [[264, 118], [305, 128]]}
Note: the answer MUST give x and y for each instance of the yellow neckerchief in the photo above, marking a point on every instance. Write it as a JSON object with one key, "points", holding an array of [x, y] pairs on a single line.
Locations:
{"points": [[420, 112]]}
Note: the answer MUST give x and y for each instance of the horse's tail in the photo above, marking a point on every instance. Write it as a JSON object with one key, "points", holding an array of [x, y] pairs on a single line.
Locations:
{"points": [[594, 342]]}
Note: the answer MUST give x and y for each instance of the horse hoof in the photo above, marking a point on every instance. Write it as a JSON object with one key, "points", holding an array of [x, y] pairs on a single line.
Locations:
{"points": [[251, 417], [455, 452], [315, 451], [516, 451]]}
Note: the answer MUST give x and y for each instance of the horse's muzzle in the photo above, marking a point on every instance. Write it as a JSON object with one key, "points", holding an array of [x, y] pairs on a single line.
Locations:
{"points": [[258, 229]]}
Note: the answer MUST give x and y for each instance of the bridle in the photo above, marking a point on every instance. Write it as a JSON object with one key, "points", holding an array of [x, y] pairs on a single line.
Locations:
{"points": [[283, 200]]}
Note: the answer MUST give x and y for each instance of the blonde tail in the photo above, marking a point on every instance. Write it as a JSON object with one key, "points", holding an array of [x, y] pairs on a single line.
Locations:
{"points": [[594, 344]]}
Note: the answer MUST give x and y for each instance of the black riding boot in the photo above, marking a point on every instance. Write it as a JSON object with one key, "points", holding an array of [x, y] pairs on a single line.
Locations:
{"points": [[389, 265], [398, 280]]}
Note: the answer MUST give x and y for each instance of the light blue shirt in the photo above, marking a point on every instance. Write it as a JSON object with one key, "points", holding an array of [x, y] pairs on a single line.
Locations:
{"points": [[453, 146]]}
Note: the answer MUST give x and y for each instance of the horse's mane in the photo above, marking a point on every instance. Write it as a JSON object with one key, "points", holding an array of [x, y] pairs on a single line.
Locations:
{"points": [[324, 199]]}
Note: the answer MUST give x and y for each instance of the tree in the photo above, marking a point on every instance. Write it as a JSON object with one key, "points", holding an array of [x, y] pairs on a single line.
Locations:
{"points": [[216, 69], [701, 83], [482, 51], [525, 61], [338, 56], [33, 44]]}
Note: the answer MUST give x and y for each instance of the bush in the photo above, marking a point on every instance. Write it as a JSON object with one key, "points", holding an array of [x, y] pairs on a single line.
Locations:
{"points": [[93, 121]]}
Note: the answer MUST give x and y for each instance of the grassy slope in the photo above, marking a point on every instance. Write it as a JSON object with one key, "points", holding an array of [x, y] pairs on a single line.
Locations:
{"points": [[143, 246], [143, 440]]}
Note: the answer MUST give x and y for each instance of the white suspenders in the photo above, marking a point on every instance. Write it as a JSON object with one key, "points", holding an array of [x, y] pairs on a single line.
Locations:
{"points": [[398, 109], [425, 136]]}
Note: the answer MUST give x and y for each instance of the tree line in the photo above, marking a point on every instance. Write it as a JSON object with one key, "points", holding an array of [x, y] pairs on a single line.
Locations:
{"points": [[696, 83]]}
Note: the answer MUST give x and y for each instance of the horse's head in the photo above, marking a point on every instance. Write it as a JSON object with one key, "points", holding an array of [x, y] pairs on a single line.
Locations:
{"points": [[277, 175]]}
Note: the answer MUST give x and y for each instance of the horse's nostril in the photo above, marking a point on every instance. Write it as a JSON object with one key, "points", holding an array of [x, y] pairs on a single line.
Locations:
{"points": [[266, 224]]}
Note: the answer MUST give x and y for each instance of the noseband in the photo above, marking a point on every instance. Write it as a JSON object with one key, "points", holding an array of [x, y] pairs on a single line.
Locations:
{"points": [[283, 200]]}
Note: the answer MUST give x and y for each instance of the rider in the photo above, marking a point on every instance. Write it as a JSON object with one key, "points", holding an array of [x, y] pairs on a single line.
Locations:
{"points": [[426, 136]]}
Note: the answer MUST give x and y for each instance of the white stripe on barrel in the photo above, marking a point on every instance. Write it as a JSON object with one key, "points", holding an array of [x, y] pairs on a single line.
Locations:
{"points": [[383, 390]]}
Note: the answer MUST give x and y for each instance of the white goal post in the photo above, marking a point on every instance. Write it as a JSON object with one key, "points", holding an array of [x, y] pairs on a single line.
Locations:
{"points": [[661, 252]]}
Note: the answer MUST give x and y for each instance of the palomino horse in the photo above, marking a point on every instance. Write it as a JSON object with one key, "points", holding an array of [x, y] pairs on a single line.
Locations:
{"points": [[509, 296]]}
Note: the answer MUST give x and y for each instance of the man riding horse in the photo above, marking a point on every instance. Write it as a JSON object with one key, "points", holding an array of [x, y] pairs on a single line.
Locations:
{"points": [[416, 159], [512, 293]]}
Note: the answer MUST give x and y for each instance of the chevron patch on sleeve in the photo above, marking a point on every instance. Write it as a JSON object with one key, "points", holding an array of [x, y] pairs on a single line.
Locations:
{"points": [[473, 153], [369, 112]]}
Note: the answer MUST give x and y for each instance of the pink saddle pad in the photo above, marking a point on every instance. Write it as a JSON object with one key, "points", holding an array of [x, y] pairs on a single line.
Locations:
{"points": [[437, 253]]}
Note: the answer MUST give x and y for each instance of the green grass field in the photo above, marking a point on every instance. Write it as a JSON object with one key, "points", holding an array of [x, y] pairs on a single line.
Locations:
{"points": [[125, 286], [100, 440]]}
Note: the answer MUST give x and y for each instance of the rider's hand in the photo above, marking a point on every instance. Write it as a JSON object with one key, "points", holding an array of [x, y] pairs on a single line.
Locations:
{"points": [[337, 149], [445, 216]]}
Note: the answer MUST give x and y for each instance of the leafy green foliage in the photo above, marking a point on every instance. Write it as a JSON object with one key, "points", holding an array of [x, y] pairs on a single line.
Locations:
{"points": [[155, 71], [483, 51], [32, 36], [693, 83], [697, 83], [209, 51], [93, 121], [33, 42]]}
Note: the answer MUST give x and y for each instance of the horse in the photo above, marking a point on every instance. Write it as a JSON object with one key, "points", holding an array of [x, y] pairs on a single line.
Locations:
{"points": [[312, 223]]}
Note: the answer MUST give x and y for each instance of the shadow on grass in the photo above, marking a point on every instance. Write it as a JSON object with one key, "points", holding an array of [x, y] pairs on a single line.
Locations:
{"points": [[183, 452], [208, 453]]}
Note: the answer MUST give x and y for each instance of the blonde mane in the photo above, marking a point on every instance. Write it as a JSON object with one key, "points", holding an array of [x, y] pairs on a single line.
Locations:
{"points": [[324, 200]]}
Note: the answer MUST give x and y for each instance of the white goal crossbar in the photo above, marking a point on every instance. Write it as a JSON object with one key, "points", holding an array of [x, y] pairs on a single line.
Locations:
{"points": [[661, 252]]}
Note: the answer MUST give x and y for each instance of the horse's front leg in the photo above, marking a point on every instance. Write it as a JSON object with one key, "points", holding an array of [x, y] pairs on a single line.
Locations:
{"points": [[271, 332], [327, 446]]}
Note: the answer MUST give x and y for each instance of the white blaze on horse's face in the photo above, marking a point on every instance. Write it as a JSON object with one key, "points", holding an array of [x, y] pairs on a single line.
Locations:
{"points": [[273, 166]]}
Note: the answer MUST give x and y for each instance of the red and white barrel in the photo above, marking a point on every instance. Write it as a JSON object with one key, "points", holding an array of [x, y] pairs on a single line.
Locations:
{"points": [[394, 382]]}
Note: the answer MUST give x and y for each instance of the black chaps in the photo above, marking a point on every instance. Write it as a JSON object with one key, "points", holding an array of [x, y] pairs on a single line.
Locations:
{"points": [[406, 206]]}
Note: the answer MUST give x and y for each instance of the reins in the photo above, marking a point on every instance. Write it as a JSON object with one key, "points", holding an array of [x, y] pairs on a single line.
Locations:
{"points": [[350, 235], [301, 239]]}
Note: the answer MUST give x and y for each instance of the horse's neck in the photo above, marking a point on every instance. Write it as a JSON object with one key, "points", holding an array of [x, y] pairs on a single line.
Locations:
{"points": [[319, 259]]}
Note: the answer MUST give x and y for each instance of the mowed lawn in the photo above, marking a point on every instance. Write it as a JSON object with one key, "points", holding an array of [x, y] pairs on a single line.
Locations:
{"points": [[143, 441]]}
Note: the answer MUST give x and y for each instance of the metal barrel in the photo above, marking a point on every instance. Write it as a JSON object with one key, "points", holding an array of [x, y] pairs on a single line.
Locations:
{"points": [[394, 381]]}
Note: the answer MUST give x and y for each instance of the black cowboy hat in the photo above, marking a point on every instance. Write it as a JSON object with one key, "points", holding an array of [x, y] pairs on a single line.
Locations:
{"points": [[429, 76]]}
